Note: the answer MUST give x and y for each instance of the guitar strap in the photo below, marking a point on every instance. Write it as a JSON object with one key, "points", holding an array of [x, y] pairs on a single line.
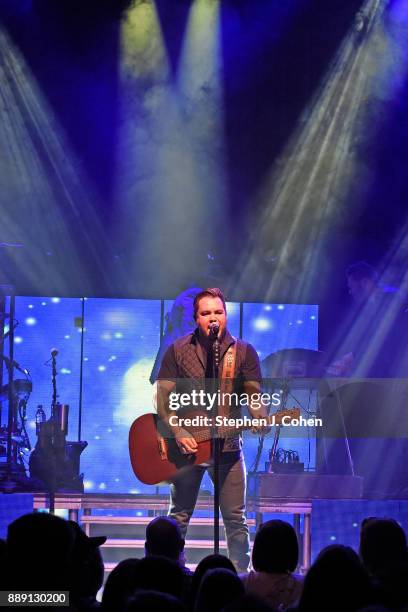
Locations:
{"points": [[226, 386], [227, 375]]}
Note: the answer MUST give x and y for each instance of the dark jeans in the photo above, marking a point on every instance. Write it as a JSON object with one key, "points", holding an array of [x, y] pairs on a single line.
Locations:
{"points": [[184, 493]]}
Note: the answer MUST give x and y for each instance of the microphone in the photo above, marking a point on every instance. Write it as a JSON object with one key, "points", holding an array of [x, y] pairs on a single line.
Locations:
{"points": [[54, 352], [214, 329]]}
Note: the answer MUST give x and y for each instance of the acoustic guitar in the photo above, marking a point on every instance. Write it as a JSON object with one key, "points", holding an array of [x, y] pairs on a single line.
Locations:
{"points": [[156, 458]]}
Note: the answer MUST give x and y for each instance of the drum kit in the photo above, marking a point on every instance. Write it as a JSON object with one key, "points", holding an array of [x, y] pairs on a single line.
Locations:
{"points": [[53, 465], [14, 394]]}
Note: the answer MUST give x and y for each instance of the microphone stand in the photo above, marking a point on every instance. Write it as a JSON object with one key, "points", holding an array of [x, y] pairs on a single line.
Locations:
{"points": [[10, 484], [216, 448], [53, 483], [54, 380]]}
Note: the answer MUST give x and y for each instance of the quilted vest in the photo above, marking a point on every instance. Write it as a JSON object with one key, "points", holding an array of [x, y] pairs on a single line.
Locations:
{"points": [[191, 368]]}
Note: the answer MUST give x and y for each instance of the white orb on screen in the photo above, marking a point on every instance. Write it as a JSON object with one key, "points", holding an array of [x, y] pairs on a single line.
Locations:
{"points": [[136, 393], [262, 324], [120, 318]]}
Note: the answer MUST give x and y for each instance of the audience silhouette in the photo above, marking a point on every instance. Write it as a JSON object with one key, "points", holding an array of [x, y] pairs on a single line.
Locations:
{"points": [[45, 552], [337, 581], [383, 550], [218, 588], [274, 558]]}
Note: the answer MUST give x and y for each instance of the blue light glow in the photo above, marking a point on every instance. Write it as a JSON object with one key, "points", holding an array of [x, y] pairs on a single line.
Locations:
{"points": [[108, 409]]}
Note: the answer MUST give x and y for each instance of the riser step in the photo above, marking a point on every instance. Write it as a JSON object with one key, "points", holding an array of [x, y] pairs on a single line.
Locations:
{"points": [[124, 543], [192, 555], [127, 528], [140, 534], [143, 520]]}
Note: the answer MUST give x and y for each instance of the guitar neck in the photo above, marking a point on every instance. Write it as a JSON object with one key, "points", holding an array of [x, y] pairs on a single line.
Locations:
{"points": [[225, 431]]}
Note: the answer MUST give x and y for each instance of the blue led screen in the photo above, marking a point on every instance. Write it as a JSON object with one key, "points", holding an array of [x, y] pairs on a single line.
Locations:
{"points": [[121, 340]]}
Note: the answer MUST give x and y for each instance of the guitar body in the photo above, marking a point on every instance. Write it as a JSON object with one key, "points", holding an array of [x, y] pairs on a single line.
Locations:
{"points": [[158, 459], [155, 461]]}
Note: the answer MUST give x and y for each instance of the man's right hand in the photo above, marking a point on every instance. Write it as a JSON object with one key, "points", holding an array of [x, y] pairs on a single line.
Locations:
{"points": [[187, 445]]}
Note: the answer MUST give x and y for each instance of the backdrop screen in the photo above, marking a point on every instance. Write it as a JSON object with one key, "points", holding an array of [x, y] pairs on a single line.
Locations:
{"points": [[121, 341]]}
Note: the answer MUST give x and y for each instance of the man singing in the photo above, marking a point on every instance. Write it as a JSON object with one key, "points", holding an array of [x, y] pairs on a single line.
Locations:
{"points": [[191, 357]]}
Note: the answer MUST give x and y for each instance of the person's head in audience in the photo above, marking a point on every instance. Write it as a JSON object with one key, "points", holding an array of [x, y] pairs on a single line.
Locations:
{"points": [[218, 588], [39, 552], [383, 549], [209, 562], [160, 574], [3, 564], [382, 544], [163, 537], [120, 585], [88, 567], [153, 601], [337, 581], [247, 603], [147, 574], [276, 548]]}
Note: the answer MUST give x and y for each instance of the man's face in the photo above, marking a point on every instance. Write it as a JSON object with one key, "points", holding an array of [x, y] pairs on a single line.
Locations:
{"points": [[211, 310], [360, 290]]}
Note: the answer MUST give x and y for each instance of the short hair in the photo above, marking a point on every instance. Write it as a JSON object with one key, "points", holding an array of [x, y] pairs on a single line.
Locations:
{"points": [[276, 548], [218, 588], [163, 537], [212, 292], [212, 561], [382, 543], [324, 585], [360, 270]]}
